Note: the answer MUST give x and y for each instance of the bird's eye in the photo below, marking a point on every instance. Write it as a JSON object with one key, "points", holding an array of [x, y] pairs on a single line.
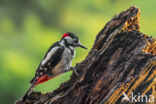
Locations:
{"points": [[76, 41]]}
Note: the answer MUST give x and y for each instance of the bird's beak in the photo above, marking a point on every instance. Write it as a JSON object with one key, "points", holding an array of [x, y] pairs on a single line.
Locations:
{"points": [[81, 45]]}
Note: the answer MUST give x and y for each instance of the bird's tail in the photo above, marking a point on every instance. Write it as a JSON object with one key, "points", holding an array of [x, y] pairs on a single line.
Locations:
{"points": [[35, 82], [28, 92]]}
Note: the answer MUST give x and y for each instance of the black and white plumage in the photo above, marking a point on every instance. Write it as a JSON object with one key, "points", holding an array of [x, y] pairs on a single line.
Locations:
{"points": [[57, 60]]}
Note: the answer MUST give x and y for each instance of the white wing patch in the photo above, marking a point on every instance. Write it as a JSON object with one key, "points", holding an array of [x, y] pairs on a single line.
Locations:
{"points": [[49, 55]]}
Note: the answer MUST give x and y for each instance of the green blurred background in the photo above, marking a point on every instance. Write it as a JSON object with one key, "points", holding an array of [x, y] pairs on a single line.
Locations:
{"points": [[29, 27]]}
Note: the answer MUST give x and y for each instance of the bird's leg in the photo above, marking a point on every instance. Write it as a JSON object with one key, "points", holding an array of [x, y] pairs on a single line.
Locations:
{"points": [[72, 68], [75, 71]]}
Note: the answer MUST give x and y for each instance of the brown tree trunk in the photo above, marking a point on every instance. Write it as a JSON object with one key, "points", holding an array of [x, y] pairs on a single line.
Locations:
{"points": [[122, 61]]}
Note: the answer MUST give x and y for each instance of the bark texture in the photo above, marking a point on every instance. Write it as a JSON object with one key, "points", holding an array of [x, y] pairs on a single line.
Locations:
{"points": [[122, 60]]}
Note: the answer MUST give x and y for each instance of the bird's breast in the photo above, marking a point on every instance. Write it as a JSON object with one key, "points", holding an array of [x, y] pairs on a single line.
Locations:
{"points": [[58, 69], [67, 55], [64, 63]]}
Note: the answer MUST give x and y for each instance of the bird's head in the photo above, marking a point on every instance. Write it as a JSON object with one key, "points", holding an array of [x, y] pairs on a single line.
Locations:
{"points": [[71, 39]]}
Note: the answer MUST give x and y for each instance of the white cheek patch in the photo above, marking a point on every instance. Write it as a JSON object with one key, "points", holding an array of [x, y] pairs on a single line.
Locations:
{"points": [[49, 55], [69, 39]]}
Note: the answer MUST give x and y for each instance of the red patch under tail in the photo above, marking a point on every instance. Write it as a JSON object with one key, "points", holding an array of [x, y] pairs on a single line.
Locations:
{"points": [[43, 79]]}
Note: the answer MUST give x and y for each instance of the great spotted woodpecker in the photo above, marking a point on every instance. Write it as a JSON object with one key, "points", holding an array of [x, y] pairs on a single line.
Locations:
{"points": [[57, 60]]}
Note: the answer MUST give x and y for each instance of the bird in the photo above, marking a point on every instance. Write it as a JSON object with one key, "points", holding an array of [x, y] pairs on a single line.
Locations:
{"points": [[57, 60]]}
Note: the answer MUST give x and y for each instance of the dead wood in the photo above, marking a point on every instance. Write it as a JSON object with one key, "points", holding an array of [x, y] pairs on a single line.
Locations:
{"points": [[122, 60]]}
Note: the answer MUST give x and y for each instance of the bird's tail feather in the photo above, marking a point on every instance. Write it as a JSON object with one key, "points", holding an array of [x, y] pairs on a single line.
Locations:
{"points": [[28, 92]]}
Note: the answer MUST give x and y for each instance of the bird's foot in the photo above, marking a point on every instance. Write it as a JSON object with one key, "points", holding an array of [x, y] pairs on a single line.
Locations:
{"points": [[75, 71]]}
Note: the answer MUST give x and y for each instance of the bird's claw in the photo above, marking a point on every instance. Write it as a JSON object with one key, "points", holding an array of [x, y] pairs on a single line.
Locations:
{"points": [[75, 71]]}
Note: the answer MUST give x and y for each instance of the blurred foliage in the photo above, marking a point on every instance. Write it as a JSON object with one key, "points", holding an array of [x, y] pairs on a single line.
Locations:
{"points": [[29, 27]]}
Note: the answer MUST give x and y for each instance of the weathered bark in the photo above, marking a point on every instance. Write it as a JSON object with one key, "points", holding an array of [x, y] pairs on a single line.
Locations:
{"points": [[122, 60]]}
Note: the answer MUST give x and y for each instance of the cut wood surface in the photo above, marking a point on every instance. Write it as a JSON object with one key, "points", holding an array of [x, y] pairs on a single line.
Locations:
{"points": [[122, 61]]}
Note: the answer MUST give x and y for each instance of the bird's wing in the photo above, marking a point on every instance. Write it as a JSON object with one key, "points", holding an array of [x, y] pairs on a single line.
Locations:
{"points": [[52, 57]]}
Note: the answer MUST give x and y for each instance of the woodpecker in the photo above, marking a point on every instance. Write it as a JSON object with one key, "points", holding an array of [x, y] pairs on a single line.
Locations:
{"points": [[57, 60]]}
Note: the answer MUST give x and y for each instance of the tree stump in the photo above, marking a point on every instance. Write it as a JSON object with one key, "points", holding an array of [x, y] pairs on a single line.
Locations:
{"points": [[122, 62]]}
